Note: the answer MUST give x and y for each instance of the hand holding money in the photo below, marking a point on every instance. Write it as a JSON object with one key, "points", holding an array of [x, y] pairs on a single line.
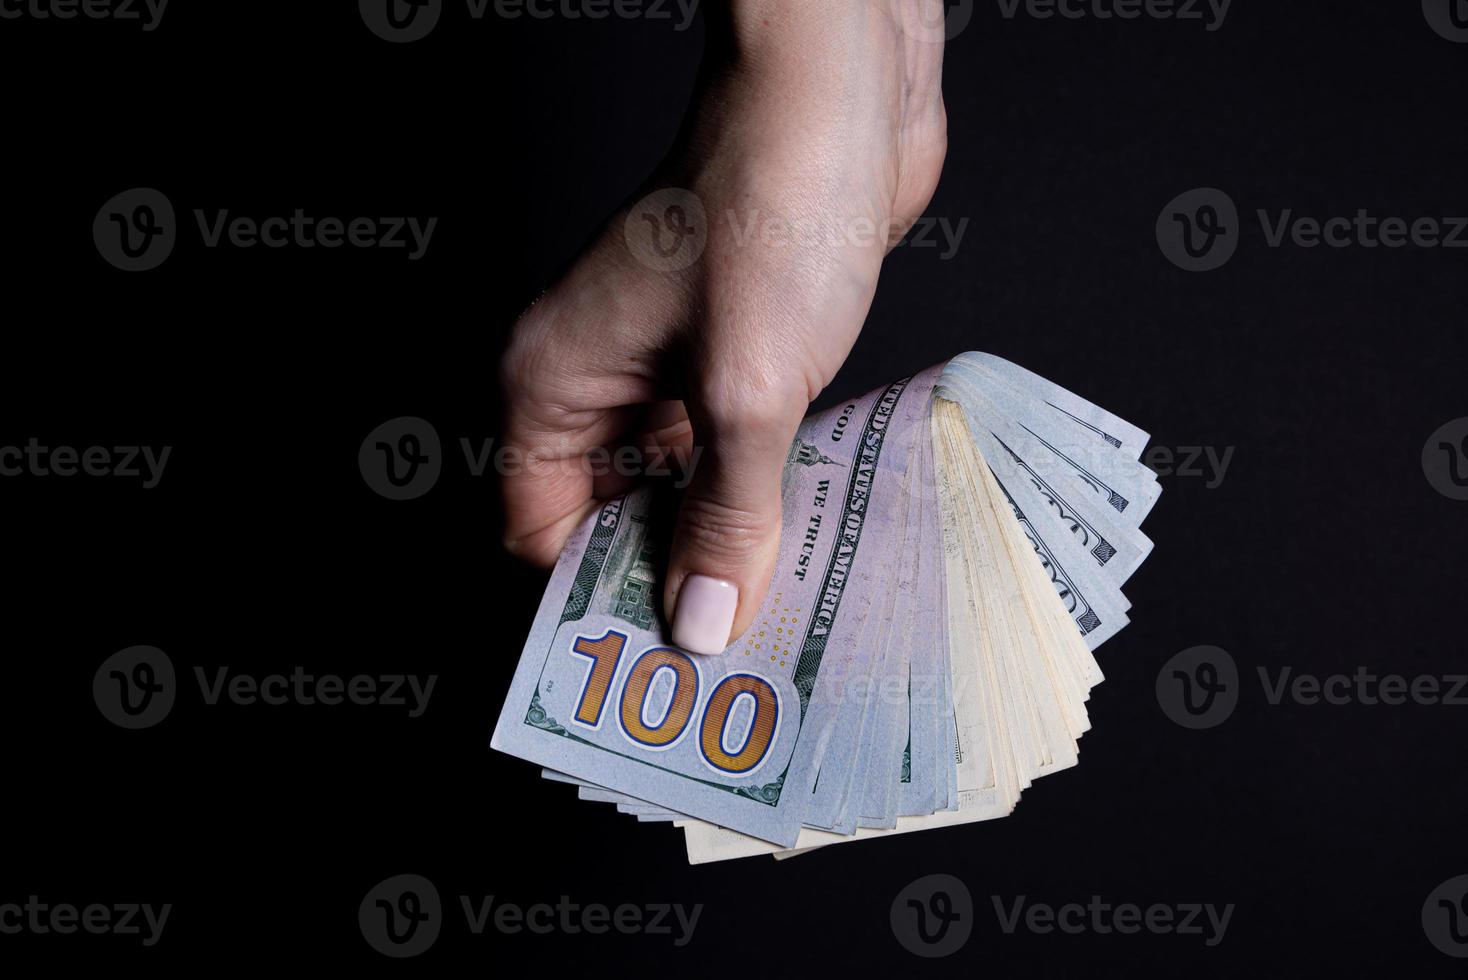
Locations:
{"points": [[717, 307], [952, 551]]}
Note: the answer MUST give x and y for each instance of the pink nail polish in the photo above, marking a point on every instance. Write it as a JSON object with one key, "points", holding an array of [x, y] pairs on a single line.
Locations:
{"points": [[705, 614]]}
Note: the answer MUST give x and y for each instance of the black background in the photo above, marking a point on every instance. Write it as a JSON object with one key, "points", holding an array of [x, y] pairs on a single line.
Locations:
{"points": [[1323, 549]]}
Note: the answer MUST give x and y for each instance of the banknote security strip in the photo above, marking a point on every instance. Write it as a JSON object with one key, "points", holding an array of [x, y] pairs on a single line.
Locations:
{"points": [[953, 552]]}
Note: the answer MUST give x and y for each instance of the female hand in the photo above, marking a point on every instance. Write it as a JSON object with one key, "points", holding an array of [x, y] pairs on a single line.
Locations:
{"points": [[717, 307]]}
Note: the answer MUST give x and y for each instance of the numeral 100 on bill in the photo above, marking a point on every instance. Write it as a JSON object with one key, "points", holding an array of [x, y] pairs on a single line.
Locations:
{"points": [[664, 729]]}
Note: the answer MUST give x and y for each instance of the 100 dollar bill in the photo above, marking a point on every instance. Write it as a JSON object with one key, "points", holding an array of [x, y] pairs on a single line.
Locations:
{"points": [[602, 695]]}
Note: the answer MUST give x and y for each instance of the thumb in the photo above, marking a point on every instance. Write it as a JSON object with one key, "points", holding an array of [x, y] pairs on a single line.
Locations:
{"points": [[728, 533]]}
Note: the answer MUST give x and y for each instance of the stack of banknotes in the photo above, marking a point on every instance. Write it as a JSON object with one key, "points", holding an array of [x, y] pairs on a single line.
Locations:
{"points": [[953, 551]]}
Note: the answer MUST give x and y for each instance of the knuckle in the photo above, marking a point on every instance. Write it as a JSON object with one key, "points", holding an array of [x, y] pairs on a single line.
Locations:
{"points": [[727, 535], [756, 400]]}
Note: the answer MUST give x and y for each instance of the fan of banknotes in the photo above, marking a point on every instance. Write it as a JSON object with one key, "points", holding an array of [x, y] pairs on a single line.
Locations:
{"points": [[953, 550]]}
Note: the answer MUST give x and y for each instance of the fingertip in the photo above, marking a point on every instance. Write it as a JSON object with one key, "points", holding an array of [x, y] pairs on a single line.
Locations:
{"points": [[704, 617]]}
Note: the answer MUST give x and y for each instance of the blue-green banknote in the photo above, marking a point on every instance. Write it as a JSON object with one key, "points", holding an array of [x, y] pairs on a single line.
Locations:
{"points": [[953, 548]]}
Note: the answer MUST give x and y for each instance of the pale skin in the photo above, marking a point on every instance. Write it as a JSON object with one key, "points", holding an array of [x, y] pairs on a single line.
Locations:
{"points": [[809, 116]]}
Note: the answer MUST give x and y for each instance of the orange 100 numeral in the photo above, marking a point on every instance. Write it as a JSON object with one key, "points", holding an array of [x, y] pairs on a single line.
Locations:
{"points": [[605, 654]]}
